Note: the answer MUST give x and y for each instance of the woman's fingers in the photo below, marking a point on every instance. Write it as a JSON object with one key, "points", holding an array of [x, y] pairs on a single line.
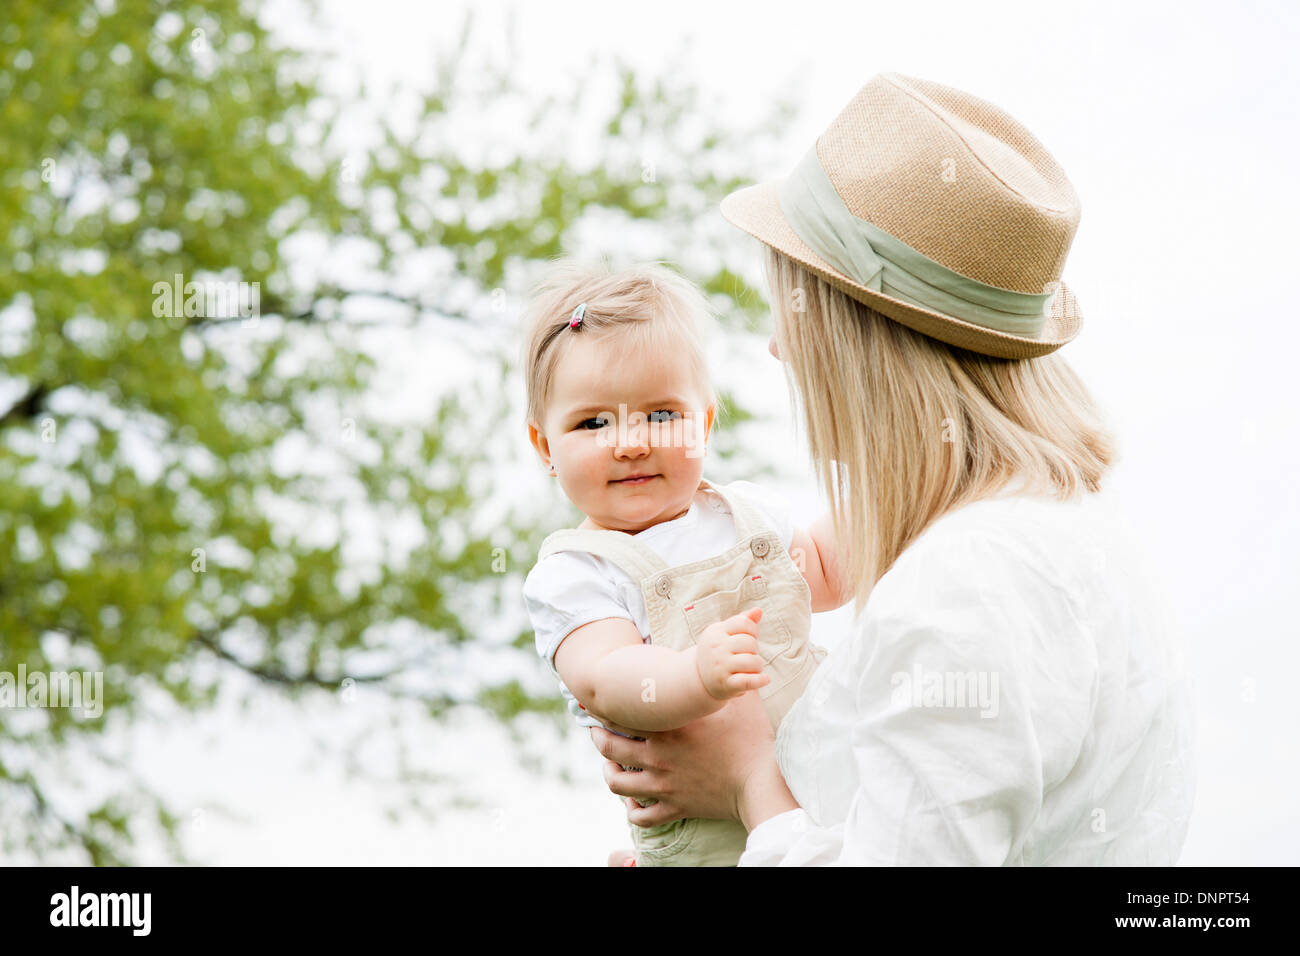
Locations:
{"points": [[630, 783], [619, 753], [652, 815], [624, 750], [613, 727], [636, 786]]}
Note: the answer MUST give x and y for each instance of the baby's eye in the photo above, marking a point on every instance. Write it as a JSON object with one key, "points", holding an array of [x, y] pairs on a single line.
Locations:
{"points": [[588, 426], [664, 416]]}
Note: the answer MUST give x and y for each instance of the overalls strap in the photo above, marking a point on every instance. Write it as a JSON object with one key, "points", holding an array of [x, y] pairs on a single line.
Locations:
{"points": [[635, 560], [749, 520]]}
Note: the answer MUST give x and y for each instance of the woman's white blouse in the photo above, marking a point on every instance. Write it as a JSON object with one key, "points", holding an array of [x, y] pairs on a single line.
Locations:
{"points": [[1013, 694]]}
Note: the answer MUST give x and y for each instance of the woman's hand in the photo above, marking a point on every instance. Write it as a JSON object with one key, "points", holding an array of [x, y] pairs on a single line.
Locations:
{"points": [[719, 766]]}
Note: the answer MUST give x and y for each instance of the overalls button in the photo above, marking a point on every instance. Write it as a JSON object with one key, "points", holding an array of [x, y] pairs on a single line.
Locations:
{"points": [[663, 586], [760, 547]]}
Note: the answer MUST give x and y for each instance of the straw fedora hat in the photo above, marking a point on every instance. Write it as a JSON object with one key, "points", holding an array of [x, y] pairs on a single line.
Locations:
{"points": [[936, 209]]}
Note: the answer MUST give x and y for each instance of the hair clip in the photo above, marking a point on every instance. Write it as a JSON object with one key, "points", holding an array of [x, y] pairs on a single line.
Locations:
{"points": [[575, 320]]}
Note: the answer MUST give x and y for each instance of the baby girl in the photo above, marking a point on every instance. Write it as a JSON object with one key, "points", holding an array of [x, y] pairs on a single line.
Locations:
{"points": [[675, 594]]}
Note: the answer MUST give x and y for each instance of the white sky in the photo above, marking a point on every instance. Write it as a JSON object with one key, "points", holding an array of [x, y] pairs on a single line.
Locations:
{"points": [[1177, 124]]}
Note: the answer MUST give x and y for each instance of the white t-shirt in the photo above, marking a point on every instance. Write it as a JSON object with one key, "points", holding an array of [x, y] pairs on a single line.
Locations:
{"points": [[568, 589], [1081, 753]]}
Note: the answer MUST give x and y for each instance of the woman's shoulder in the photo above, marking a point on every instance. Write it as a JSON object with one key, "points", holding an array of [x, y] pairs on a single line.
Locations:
{"points": [[1030, 521], [1012, 547], [1001, 586]]}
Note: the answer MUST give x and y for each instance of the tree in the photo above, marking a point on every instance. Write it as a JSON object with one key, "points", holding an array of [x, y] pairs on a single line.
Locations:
{"points": [[184, 425]]}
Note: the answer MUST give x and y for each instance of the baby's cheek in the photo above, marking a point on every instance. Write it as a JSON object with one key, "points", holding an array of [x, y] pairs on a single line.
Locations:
{"points": [[593, 472]]}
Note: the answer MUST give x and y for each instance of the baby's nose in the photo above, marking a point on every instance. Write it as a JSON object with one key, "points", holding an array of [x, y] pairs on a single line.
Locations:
{"points": [[635, 441], [635, 447]]}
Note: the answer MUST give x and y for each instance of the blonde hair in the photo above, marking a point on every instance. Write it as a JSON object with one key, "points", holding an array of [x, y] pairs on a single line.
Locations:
{"points": [[930, 427], [647, 307]]}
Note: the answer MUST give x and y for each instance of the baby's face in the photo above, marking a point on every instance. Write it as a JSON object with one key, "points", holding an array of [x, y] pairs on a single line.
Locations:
{"points": [[614, 416]]}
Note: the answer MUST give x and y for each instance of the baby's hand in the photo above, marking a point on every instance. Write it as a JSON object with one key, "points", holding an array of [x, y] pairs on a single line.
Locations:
{"points": [[727, 656]]}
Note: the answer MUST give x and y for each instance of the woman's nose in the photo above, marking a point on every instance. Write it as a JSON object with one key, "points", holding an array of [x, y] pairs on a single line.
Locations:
{"points": [[771, 347]]}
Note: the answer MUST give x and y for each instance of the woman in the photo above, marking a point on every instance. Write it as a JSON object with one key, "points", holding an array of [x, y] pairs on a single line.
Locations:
{"points": [[1012, 692]]}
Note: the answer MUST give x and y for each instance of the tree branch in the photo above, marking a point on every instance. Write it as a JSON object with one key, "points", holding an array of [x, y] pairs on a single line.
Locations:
{"points": [[28, 406], [276, 676], [311, 314]]}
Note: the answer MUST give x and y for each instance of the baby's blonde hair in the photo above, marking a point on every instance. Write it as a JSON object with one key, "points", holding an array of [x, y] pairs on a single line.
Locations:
{"points": [[904, 428], [647, 306]]}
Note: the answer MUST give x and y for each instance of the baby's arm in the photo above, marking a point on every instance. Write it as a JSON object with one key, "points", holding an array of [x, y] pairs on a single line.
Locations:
{"points": [[814, 554], [612, 673]]}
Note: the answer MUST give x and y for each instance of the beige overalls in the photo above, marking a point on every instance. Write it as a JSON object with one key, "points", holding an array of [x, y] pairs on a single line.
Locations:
{"points": [[680, 602]]}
